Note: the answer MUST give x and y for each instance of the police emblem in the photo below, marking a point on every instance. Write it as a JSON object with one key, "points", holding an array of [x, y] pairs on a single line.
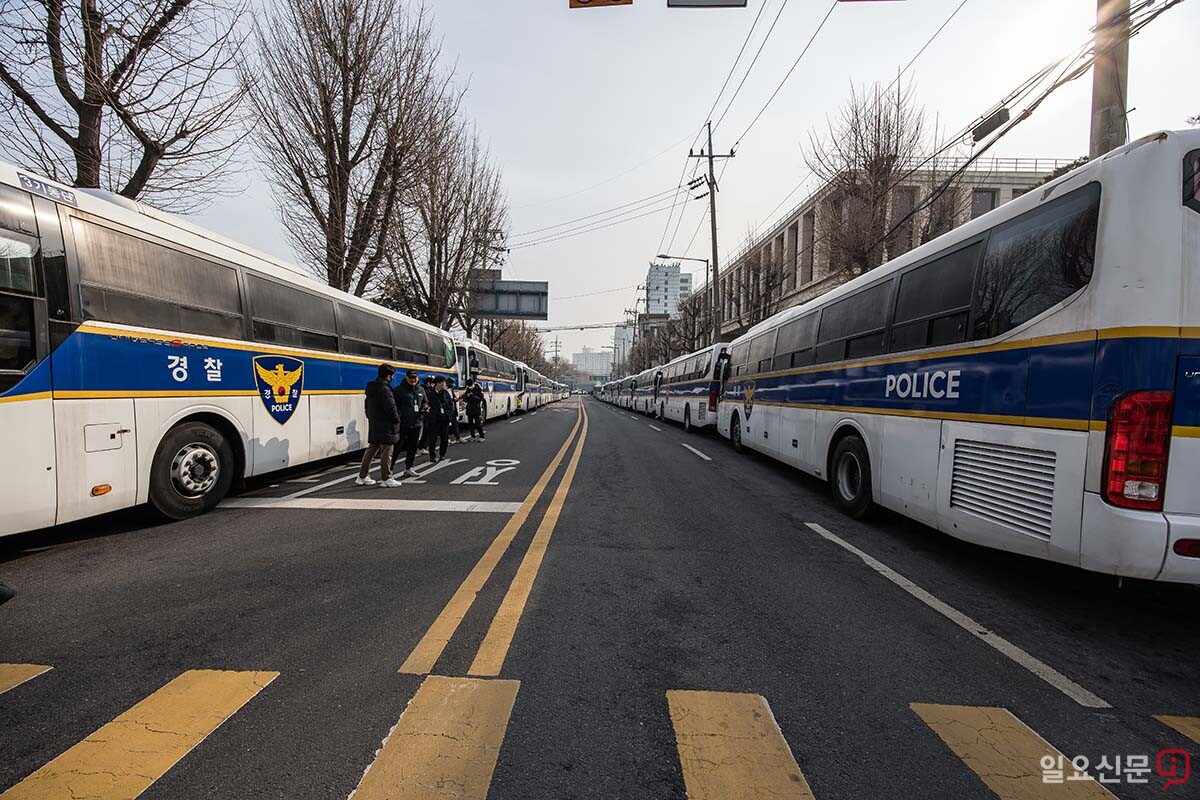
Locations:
{"points": [[748, 401], [280, 383]]}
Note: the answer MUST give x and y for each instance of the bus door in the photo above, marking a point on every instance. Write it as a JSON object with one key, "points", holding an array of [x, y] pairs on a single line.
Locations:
{"points": [[658, 390], [28, 493]]}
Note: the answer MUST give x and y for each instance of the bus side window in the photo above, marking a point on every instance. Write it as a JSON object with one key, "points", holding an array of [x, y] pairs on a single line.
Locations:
{"points": [[934, 300], [1036, 261]]}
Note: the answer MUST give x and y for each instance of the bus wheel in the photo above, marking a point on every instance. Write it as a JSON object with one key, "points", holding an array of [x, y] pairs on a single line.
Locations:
{"points": [[191, 472], [735, 433], [850, 477], [687, 419]]}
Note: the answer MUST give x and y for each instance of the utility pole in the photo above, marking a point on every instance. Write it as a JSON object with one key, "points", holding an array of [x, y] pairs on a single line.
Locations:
{"points": [[712, 213], [1110, 76]]}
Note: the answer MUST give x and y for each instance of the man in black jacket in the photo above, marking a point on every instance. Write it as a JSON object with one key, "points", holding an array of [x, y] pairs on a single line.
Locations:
{"points": [[383, 428], [411, 401], [441, 408], [473, 399]]}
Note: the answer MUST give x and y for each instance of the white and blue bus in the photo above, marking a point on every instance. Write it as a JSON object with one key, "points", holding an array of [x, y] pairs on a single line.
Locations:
{"points": [[644, 388], [498, 376], [144, 359], [1030, 381], [688, 389]]}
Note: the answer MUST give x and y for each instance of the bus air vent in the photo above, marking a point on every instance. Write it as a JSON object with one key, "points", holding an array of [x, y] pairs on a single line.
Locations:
{"points": [[1012, 487]]}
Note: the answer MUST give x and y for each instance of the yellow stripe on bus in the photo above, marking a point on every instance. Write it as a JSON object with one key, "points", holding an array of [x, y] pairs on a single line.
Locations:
{"points": [[20, 398]]}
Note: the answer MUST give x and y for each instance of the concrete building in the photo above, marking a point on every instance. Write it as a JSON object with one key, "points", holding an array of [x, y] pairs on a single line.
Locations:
{"points": [[666, 287], [592, 362], [792, 261]]}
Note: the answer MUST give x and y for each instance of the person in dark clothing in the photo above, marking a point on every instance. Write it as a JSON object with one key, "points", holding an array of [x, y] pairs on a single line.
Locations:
{"points": [[412, 402], [426, 425], [441, 408], [473, 399], [383, 428]]}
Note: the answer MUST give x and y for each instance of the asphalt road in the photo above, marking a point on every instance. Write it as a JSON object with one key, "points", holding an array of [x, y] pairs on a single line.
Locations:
{"points": [[587, 580]]}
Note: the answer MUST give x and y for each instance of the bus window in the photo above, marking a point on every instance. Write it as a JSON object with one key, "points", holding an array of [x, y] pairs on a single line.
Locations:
{"points": [[1037, 260], [762, 351], [364, 333], [854, 326], [285, 315], [933, 301], [134, 281], [796, 339], [409, 343]]}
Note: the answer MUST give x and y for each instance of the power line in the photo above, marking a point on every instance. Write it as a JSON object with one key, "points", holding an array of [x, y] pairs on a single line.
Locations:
{"points": [[568, 234], [657, 195], [732, 68], [791, 69], [593, 294], [750, 68]]}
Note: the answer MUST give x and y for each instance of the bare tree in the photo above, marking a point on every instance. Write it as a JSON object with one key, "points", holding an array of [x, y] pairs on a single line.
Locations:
{"points": [[346, 93], [861, 159], [518, 341], [451, 217], [139, 97]]}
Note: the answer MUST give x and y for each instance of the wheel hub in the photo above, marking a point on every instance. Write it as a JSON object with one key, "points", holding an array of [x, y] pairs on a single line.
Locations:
{"points": [[849, 476], [195, 469]]}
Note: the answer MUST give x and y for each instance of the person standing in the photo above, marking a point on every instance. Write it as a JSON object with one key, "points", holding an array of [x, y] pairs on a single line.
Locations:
{"points": [[441, 407], [473, 399], [426, 424], [411, 403], [383, 428]]}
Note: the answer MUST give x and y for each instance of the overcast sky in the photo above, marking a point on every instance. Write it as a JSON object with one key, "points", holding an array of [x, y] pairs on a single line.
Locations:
{"points": [[568, 100]]}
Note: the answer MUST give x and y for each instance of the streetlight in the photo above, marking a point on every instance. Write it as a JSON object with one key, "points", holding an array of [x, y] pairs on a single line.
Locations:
{"points": [[712, 310]]}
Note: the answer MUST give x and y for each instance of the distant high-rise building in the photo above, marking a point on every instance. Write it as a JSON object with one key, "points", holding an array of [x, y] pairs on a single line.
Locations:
{"points": [[666, 287], [591, 362]]}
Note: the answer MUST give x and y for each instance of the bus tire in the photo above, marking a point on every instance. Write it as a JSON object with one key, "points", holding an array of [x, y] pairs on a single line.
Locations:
{"points": [[662, 412], [192, 470], [687, 420], [735, 433], [850, 477], [508, 409]]}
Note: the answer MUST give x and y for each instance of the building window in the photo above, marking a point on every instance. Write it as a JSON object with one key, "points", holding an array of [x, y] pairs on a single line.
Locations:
{"points": [[904, 200], [982, 201], [793, 238]]}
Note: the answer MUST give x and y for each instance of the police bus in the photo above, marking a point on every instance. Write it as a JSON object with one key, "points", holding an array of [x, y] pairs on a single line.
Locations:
{"points": [[146, 359], [687, 388], [643, 399], [1030, 381]]}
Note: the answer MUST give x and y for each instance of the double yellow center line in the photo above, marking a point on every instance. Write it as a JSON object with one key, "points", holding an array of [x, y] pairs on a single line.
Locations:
{"points": [[495, 645]]}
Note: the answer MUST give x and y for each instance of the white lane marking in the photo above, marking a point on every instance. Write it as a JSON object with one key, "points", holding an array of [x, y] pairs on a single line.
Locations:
{"points": [[697, 452], [534, 414], [655, 427], [1039, 668], [514, 421], [382, 504], [428, 469], [327, 484], [304, 480]]}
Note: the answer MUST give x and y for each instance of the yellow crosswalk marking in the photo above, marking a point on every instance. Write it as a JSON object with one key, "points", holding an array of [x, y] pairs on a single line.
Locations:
{"points": [[421, 660], [445, 744], [730, 747], [123, 758], [1004, 752], [490, 656], [1188, 726], [12, 675]]}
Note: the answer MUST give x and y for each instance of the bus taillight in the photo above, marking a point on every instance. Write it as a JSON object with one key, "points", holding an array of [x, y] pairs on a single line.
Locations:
{"points": [[712, 399], [1135, 450]]}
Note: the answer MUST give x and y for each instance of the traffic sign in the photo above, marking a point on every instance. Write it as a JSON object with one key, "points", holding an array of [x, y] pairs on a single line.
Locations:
{"points": [[599, 3]]}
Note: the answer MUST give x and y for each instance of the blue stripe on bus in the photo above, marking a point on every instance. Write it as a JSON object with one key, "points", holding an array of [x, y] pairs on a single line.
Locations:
{"points": [[1071, 381], [101, 362]]}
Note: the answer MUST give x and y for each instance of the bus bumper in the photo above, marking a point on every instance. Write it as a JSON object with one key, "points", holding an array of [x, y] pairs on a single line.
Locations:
{"points": [[1177, 568], [1122, 541]]}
